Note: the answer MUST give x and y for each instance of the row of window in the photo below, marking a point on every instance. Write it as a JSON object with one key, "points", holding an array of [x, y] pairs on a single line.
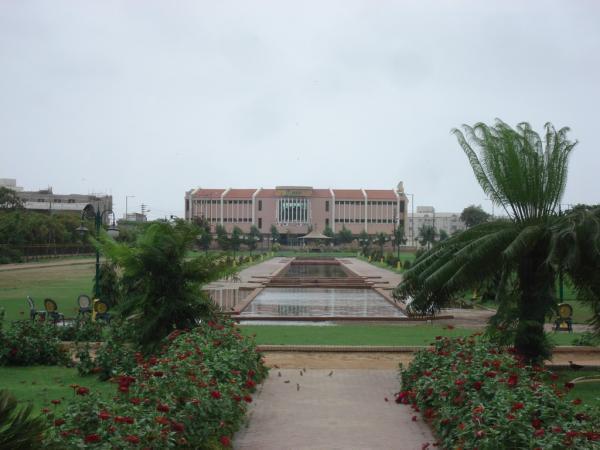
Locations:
{"points": [[56, 200], [362, 221], [225, 202]]}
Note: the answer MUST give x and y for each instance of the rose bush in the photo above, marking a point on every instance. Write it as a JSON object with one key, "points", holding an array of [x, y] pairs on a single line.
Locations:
{"points": [[476, 396], [192, 394]]}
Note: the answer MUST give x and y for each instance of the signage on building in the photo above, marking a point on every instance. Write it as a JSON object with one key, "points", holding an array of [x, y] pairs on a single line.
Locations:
{"points": [[292, 191]]}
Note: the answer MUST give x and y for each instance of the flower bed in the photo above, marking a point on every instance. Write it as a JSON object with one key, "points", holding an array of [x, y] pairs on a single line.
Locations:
{"points": [[194, 394], [476, 396]]}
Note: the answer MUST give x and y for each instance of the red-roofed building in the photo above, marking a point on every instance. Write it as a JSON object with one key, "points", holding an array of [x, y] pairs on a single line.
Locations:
{"points": [[295, 209]]}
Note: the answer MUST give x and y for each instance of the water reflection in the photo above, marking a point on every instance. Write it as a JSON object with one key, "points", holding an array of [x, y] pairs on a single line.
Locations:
{"points": [[314, 271], [321, 302]]}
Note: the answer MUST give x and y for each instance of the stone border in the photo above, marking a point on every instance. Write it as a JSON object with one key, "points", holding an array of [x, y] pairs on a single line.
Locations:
{"points": [[390, 348], [238, 317]]}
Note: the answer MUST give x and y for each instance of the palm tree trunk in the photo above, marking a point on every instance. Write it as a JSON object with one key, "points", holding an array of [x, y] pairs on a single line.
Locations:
{"points": [[536, 281]]}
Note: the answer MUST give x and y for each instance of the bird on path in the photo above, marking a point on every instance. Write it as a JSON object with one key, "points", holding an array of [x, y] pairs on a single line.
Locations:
{"points": [[286, 381], [330, 373], [297, 387], [278, 374], [574, 366], [300, 373]]}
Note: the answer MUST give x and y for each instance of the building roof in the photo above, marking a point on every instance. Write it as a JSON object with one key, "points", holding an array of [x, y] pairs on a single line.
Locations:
{"points": [[381, 194], [209, 193], [320, 193], [266, 193], [240, 193], [352, 194]]}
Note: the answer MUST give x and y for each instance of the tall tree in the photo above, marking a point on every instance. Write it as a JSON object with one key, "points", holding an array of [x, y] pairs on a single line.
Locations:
{"points": [[525, 174], [275, 236], [474, 215], [380, 239], [222, 237], [235, 241], [9, 199], [253, 238], [427, 235]]}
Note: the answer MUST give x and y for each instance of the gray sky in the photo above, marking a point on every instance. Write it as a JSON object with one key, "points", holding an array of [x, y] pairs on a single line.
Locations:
{"points": [[152, 98]]}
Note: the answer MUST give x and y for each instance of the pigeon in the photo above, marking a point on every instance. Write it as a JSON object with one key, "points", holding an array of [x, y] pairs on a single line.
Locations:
{"points": [[286, 381], [278, 374], [574, 366], [304, 370], [330, 373], [300, 373], [297, 387], [276, 366]]}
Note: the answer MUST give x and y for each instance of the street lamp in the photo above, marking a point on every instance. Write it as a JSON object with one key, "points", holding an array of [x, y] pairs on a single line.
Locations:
{"points": [[112, 231]]}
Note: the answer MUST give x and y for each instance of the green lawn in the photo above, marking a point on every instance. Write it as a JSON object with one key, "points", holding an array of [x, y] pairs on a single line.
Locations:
{"points": [[63, 284], [41, 384], [363, 334], [588, 392]]}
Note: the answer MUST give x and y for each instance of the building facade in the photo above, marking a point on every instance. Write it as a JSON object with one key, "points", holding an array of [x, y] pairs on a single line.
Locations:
{"points": [[428, 216], [46, 200], [295, 210]]}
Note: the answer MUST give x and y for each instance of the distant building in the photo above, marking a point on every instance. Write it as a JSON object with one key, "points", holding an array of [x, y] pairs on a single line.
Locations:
{"points": [[10, 183], [427, 215], [136, 217], [46, 200], [294, 210]]}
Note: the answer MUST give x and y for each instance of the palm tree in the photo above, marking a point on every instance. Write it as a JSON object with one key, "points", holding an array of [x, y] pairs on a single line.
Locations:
{"points": [[20, 428], [525, 174]]}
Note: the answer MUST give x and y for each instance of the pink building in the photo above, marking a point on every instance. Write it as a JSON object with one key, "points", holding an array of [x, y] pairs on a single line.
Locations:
{"points": [[293, 209]]}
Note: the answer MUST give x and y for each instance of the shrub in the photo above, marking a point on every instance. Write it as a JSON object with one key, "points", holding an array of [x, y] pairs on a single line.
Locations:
{"points": [[19, 429], [25, 343], [477, 396], [193, 394], [82, 330]]}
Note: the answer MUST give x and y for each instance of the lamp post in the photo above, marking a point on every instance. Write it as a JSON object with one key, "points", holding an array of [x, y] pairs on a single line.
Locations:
{"points": [[112, 230]]}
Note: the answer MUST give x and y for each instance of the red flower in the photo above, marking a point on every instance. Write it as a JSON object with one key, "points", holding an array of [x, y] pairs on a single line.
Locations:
{"points": [[577, 401], [132, 439], [461, 426], [124, 388], [162, 407], [569, 385], [414, 418], [539, 433], [82, 391], [215, 394], [572, 434], [517, 405], [135, 400], [158, 373], [510, 417], [250, 384], [91, 438], [225, 441], [59, 422], [479, 433], [178, 427], [103, 415], [513, 380], [491, 374], [122, 419], [477, 385], [162, 420], [536, 423], [553, 376], [247, 399], [55, 402]]}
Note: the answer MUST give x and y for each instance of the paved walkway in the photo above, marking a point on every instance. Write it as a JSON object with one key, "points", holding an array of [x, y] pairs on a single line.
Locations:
{"points": [[346, 410]]}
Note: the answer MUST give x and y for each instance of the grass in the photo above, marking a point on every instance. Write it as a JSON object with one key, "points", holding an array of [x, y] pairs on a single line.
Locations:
{"points": [[588, 392], [41, 384], [363, 334], [63, 284]]}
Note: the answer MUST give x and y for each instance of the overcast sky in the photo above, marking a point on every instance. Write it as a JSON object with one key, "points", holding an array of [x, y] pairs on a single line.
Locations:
{"points": [[153, 98]]}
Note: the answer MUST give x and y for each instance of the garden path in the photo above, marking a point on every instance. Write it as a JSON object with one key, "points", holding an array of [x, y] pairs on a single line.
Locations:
{"points": [[344, 410]]}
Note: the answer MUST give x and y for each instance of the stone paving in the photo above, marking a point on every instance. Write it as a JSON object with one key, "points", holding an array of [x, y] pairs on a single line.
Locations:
{"points": [[344, 410]]}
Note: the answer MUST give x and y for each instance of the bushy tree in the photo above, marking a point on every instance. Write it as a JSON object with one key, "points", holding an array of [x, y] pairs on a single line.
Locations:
{"points": [[427, 235], [253, 238], [161, 286], [365, 241], [275, 236], [222, 238], [380, 239], [525, 174], [474, 215], [344, 236], [328, 232], [9, 199], [235, 241]]}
